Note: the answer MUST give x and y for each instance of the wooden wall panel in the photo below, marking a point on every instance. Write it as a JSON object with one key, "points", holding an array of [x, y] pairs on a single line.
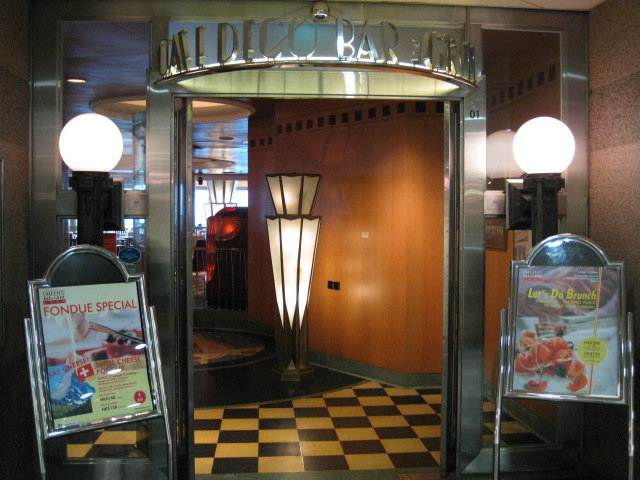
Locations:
{"points": [[381, 202]]}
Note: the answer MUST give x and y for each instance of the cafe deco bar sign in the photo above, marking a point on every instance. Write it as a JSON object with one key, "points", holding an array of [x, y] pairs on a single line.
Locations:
{"points": [[222, 47]]}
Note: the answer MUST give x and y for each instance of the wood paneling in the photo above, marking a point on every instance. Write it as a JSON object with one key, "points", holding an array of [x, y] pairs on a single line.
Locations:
{"points": [[381, 202]]}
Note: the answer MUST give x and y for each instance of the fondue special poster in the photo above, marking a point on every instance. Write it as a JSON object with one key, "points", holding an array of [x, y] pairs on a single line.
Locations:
{"points": [[567, 331], [96, 354]]}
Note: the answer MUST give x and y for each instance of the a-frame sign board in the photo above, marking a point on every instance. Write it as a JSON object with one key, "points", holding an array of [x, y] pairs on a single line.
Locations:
{"points": [[566, 335], [93, 348]]}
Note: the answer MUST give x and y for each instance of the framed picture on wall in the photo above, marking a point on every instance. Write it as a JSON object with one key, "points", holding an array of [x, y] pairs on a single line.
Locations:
{"points": [[496, 233]]}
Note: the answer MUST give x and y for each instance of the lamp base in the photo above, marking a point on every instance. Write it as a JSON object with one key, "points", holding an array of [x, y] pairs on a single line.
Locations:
{"points": [[294, 375]]}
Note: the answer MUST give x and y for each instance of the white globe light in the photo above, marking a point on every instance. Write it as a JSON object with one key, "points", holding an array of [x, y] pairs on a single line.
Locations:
{"points": [[544, 145], [90, 143], [500, 160]]}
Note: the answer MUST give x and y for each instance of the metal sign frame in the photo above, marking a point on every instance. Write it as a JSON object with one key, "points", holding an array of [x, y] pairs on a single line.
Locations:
{"points": [[549, 334], [77, 270]]}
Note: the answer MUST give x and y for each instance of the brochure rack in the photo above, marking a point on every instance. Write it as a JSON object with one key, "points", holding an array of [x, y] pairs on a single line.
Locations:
{"points": [[93, 349], [565, 336]]}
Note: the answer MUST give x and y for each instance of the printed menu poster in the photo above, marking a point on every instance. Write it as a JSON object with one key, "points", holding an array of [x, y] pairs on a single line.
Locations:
{"points": [[567, 332], [96, 353]]}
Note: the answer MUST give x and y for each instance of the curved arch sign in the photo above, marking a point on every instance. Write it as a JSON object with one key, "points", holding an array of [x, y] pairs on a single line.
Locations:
{"points": [[273, 43]]}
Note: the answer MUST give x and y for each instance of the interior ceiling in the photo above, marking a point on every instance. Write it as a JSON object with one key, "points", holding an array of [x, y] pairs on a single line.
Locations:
{"points": [[113, 57]]}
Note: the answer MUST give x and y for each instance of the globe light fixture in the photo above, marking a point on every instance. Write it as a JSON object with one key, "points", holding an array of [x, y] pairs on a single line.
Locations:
{"points": [[90, 143], [91, 146], [543, 147], [293, 237]]}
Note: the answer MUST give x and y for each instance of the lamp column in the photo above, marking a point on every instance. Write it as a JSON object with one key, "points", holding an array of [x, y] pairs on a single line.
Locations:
{"points": [[293, 237], [91, 189], [543, 188], [543, 148], [91, 146]]}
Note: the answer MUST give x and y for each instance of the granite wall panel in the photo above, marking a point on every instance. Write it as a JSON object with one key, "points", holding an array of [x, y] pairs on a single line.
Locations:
{"points": [[614, 196]]}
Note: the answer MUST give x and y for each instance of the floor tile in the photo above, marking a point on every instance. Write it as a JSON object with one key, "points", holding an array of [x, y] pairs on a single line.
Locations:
{"points": [[342, 402], [308, 402], [375, 461], [381, 410], [362, 446], [403, 445], [276, 423], [267, 436], [240, 413], [277, 413], [239, 424], [369, 401], [395, 432], [309, 423], [388, 421], [418, 420], [208, 413], [203, 466], [116, 438], [204, 450], [325, 462], [280, 464], [306, 412], [346, 412], [356, 434], [207, 424], [206, 436], [238, 436], [321, 448], [234, 450], [412, 460], [279, 449], [78, 450], [235, 465], [351, 422], [423, 409], [320, 434]]}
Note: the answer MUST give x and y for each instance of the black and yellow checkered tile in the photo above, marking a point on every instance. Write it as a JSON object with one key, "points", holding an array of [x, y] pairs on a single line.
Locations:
{"points": [[369, 426], [365, 427]]}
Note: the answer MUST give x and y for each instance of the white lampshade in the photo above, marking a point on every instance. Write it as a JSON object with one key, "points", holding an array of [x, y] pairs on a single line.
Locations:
{"points": [[293, 194], [91, 143], [293, 244], [544, 145], [500, 160], [221, 191]]}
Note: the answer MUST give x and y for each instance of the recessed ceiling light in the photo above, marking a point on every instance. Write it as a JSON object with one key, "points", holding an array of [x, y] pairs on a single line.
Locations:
{"points": [[224, 137], [76, 80]]}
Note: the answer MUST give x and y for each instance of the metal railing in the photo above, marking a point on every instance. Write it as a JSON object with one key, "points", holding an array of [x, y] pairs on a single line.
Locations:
{"points": [[222, 284]]}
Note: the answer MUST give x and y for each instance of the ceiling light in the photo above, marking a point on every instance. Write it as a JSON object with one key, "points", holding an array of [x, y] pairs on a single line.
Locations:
{"points": [[76, 80]]}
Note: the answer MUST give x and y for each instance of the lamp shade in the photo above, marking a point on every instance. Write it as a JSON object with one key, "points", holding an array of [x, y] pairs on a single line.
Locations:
{"points": [[293, 244], [91, 143], [544, 145], [293, 194], [500, 160], [221, 191]]}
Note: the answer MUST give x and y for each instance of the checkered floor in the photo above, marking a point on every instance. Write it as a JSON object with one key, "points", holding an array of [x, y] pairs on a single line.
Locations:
{"points": [[369, 426], [365, 427]]}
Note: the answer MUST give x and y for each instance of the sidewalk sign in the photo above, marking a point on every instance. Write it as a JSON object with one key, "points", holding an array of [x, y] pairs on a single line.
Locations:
{"points": [[565, 336], [93, 348]]}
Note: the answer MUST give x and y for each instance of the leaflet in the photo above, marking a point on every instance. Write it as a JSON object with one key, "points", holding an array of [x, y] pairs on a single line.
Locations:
{"points": [[96, 353]]}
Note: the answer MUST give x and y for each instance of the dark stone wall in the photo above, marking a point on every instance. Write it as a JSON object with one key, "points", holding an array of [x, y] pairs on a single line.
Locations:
{"points": [[614, 193], [17, 442]]}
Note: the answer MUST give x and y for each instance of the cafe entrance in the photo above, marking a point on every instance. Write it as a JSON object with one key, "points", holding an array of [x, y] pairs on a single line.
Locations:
{"points": [[170, 170]]}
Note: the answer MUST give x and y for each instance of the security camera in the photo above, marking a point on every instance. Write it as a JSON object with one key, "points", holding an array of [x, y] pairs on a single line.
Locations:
{"points": [[320, 11]]}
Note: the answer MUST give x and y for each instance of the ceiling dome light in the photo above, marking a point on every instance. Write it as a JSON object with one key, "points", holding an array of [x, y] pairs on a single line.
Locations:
{"points": [[544, 145], [500, 160], [91, 143]]}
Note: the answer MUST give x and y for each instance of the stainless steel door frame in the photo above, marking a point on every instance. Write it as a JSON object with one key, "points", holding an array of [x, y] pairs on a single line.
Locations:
{"points": [[571, 27]]}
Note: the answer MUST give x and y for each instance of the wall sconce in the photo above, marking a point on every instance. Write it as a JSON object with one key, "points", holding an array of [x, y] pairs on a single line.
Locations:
{"points": [[91, 146], [220, 195], [543, 147], [293, 237]]}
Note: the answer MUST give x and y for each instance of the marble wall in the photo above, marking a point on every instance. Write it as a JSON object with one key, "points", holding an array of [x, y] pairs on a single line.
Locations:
{"points": [[614, 193], [17, 440]]}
